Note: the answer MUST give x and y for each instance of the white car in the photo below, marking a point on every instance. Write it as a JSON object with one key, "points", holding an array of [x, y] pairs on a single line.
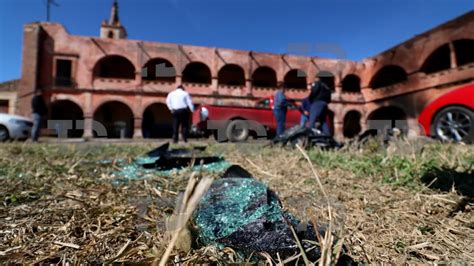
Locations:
{"points": [[14, 127]]}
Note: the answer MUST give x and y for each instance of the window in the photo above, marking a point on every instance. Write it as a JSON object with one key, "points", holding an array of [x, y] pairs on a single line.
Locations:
{"points": [[295, 79], [231, 75], [351, 83], [197, 72], [159, 69], [292, 104], [388, 76], [3, 106], [63, 73], [464, 51], [114, 67], [263, 104], [264, 77], [439, 60]]}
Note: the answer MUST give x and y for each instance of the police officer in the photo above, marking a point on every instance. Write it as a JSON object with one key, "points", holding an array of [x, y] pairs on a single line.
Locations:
{"points": [[280, 106], [319, 97]]}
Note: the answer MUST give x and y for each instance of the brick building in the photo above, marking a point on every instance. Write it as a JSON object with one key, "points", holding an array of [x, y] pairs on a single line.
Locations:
{"points": [[121, 82]]}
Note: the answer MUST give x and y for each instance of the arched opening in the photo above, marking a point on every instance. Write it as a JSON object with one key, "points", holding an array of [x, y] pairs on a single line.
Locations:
{"points": [[264, 77], [387, 76], [351, 83], [117, 118], [388, 117], [327, 78], [110, 35], [69, 111], [295, 79], [157, 121], [197, 72], [159, 69], [231, 75], [114, 66], [439, 60], [351, 126], [464, 51]]}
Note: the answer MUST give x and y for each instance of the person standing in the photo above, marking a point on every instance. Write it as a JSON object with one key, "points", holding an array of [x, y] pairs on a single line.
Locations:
{"points": [[319, 97], [39, 110], [305, 108], [181, 106], [280, 106]]}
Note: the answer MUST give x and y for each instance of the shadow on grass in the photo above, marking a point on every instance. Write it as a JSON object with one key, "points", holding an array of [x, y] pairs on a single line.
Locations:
{"points": [[445, 179]]}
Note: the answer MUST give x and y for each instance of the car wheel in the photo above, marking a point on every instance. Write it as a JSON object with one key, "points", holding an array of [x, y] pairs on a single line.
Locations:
{"points": [[454, 123], [4, 135], [237, 130]]}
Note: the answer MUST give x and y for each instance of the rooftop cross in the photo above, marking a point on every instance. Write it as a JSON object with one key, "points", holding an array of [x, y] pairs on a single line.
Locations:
{"points": [[114, 18]]}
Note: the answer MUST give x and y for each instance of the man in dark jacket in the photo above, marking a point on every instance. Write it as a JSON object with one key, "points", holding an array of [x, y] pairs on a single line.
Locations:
{"points": [[280, 106], [305, 108], [320, 97], [39, 109]]}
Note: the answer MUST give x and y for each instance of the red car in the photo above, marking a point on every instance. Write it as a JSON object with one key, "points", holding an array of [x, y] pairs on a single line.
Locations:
{"points": [[451, 116], [237, 123]]}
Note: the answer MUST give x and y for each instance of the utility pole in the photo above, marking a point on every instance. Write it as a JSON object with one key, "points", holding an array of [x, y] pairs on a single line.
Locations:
{"points": [[48, 7]]}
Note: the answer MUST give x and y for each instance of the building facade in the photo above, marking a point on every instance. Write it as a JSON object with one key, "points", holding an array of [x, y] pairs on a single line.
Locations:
{"points": [[123, 83], [8, 96]]}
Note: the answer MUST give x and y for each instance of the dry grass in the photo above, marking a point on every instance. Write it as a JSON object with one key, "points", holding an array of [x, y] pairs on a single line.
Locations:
{"points": [[384, 220], [60, 206]]}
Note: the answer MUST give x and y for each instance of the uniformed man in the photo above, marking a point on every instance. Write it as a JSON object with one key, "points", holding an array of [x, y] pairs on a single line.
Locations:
{"points": [[320, 97], [280, 106]]}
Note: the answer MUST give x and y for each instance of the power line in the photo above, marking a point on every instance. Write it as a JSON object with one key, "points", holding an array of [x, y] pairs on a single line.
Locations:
{"points": [[48, 8]]}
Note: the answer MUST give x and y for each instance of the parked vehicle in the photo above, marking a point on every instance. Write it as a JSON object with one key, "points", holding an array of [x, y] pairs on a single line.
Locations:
{"points": [[236, 123], [451, 116], [14, 127]]}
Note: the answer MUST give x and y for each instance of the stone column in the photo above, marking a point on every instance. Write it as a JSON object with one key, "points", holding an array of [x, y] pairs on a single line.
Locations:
{"points": [[363, 122], [137, 130], [88, 115], [179, 80], [414, 128], [338, 130], [88, 131], [452, 52], [214, 85], [138, 113], [138, 78], [248, 88], [338, 121]]}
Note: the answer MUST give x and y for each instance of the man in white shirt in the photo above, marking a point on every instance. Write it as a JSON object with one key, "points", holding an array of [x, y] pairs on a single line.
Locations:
{"points": [[181, 106]]}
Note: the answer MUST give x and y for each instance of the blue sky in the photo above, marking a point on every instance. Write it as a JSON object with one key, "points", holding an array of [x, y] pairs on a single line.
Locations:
{"points": [[355, 28]]}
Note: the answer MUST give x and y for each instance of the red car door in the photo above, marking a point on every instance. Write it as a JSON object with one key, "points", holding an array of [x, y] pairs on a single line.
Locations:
{"points": [[266, 114]]}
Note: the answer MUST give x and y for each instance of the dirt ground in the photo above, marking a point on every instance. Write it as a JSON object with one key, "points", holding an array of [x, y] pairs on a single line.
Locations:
{"points": [[61, 202]]}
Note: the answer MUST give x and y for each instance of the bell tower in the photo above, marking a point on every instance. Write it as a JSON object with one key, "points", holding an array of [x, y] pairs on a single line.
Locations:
{"points": [[113, 29]]}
